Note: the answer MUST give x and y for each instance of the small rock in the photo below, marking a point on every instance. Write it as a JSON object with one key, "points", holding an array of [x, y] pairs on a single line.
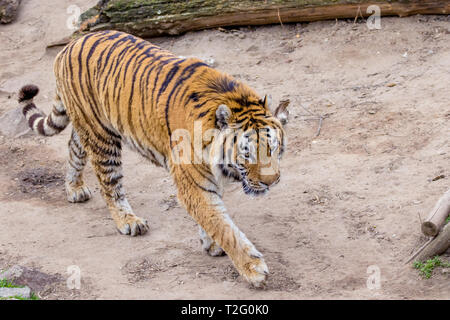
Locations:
{"points": [[32, 278], [13, 124], [211, 62], [24, 292], [8, 10], [438, 177], [12, 273], [252, 48], [288, 46]]}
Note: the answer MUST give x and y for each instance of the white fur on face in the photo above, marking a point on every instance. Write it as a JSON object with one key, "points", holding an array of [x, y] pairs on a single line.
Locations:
{"points": [[248, 147]]}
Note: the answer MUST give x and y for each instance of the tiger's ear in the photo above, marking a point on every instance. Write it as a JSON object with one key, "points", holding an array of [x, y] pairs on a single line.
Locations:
{"points": [[281, 112], [267, 101], [223, 114]]}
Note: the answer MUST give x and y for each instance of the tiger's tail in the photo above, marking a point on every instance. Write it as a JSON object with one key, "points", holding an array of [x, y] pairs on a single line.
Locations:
{"points": [[44, 125]]}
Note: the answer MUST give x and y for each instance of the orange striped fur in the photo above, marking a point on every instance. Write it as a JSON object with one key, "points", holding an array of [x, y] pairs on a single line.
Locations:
{"points": [[116, 88]]}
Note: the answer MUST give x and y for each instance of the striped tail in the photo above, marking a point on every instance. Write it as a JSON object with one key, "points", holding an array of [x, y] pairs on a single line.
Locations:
{"points": [[44, 125]]}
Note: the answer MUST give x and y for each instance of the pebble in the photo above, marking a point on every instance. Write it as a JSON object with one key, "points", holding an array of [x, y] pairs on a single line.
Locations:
{"points": [[13, 124], [252, 48], [211, 62]]}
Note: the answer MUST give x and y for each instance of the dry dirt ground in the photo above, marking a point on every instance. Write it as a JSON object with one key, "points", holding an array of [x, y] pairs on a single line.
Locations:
{"points": [[348, 199]]}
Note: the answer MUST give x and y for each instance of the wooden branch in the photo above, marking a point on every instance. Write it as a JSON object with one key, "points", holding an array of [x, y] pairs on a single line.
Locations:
{"points": [[149, 18], [437, 216], [60, 42], [435, 247]]}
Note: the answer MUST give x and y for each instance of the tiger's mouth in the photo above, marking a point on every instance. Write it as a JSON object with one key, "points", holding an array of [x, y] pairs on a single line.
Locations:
{"points": [[239, 174], [255, 189]]}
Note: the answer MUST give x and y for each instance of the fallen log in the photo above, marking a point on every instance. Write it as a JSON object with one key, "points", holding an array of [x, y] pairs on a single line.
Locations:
{"points": [[149, 18], [435, 246], [437, 216]]}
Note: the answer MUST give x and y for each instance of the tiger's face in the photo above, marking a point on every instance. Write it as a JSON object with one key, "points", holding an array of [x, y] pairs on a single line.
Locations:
{"points": [[253, 143]]}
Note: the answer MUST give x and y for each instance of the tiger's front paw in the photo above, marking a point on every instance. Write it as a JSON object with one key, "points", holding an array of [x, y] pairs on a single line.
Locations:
{"points": [[255, 270], [77, 194], [132, 225]]}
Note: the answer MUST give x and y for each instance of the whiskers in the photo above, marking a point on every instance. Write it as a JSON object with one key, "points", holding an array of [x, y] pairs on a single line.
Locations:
{"points": [[254, 189]]}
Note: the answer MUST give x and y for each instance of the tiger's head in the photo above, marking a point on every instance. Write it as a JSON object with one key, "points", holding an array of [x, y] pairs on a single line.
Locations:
{"points": [[252, 141]]}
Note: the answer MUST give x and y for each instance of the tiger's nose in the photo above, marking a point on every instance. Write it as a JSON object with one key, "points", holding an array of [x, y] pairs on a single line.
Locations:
{"points": [[269, 180]]}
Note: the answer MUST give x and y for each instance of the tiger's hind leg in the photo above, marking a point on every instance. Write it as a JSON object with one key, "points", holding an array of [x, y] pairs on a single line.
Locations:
{"points": [[76, 190], [106, 151]]}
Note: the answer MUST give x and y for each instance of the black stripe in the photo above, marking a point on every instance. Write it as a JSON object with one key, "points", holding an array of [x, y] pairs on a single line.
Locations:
{"points": [[40, 126], [107, 169], [206, 175], [112, 181], [201, 115], [28, 107], [138, 64], [109, 162], [87, 97], [33, 118], [100, 59], [77, 167], [158, 70], [144, 91], [147, 79], [194, 96], [187, 173], [188, 71], [111, 50], [52, 125], [107, 141], [58, 113], [79, 154], [111, 153], [169, 77]]}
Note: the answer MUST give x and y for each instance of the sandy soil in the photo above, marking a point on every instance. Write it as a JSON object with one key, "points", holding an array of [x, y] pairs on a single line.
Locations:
{"points": [[348, 199]]}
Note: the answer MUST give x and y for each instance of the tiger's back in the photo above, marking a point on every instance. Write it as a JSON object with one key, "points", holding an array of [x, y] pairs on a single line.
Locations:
{"points": [[120, 84]]}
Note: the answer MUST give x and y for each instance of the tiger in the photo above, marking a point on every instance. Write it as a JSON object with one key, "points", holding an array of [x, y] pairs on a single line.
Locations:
{"points": [[118, 89]]}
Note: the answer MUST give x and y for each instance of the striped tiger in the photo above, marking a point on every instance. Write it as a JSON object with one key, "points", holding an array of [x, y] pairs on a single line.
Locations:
{"points": [[116, 88]]}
